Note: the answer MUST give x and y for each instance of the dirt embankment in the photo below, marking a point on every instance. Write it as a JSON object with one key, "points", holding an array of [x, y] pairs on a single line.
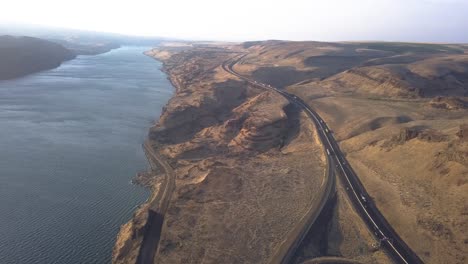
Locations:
{"points": [[246, 163]]}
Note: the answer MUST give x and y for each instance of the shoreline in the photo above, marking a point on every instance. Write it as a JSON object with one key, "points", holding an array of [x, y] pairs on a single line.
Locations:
{"points": [[165, 71], [142, 178], [73, 54], [56, 113], [140, 223], [214, 132]]}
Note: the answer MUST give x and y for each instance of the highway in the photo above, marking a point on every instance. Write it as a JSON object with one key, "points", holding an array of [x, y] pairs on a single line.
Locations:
{"points": [[361, 200], [288, 247], [158, 207]]}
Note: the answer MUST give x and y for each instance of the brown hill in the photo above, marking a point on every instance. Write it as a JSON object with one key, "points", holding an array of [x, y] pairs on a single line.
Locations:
{"points": [[25, 55], [247, 166], [399, 113], [396, 70], [444, 75]]}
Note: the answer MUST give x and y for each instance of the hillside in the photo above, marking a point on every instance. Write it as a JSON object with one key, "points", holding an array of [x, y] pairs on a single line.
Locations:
{"points": [[92, 47], [399, 112], [25, 55], [390, 70], [247, 164], [241, 157]]}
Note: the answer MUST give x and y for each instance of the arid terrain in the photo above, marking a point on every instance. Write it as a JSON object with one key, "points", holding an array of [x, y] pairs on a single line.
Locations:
{"points": [[248, 164], [400, 112]]}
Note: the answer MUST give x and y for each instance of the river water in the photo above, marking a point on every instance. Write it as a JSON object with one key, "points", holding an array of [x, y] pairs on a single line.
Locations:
{"points": [[70, 142]]}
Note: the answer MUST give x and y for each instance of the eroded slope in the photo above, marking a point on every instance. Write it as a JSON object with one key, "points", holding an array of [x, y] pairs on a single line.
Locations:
{"points": [[399, 112], [248, 166]]}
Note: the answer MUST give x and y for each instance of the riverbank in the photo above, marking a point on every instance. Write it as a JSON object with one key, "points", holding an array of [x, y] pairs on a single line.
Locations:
{"points": [[241, 157], [71, 138]]}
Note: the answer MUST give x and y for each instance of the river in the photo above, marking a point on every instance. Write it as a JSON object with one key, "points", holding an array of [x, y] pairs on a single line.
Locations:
{"points": [[70, 142]]}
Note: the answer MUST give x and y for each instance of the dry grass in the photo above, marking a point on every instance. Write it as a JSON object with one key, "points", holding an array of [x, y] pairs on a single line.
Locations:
{"points": [[235, 202], [420, 184], [422, 195], [248, 166]]}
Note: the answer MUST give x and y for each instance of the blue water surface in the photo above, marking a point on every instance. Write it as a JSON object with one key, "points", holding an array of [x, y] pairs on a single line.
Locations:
{"points": [[70, 142]]}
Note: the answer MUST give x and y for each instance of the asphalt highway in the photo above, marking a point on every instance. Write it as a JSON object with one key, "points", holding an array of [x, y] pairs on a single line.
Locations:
{"points": [[288, 247], [158, 208], [361, 200]]}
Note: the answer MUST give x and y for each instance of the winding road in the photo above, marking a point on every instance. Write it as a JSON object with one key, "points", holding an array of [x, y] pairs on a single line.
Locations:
{"points": [[158, 207], [373, 218]]}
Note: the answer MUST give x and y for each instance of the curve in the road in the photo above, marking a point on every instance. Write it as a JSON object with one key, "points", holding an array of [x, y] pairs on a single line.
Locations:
{"points": [[288, 247], [374, 219], [158, 208]]}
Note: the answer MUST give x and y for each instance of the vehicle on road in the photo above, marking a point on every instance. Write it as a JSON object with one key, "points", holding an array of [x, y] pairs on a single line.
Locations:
{"points": [[374, 219], [363, 198]]}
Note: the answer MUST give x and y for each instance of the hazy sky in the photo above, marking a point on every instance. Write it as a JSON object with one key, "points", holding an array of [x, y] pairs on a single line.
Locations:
{"points": [[403, 20]]}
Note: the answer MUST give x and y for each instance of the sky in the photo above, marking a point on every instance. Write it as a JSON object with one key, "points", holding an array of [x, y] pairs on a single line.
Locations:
{"points": [[242, 20]]}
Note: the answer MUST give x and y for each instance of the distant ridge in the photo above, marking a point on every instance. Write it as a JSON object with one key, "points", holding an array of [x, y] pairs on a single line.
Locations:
{"points": [[20, 56]]}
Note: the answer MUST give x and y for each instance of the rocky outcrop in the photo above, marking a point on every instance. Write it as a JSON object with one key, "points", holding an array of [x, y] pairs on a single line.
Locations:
{"points": [[190, 112], [264, 122], [448, 103], [407, 134], [457, 152], [257, 125], [463, 132], [25, 55]]}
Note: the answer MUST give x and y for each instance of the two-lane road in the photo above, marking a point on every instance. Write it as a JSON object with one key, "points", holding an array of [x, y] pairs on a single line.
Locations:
{"points": [[158, 207], [374, 219]]}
